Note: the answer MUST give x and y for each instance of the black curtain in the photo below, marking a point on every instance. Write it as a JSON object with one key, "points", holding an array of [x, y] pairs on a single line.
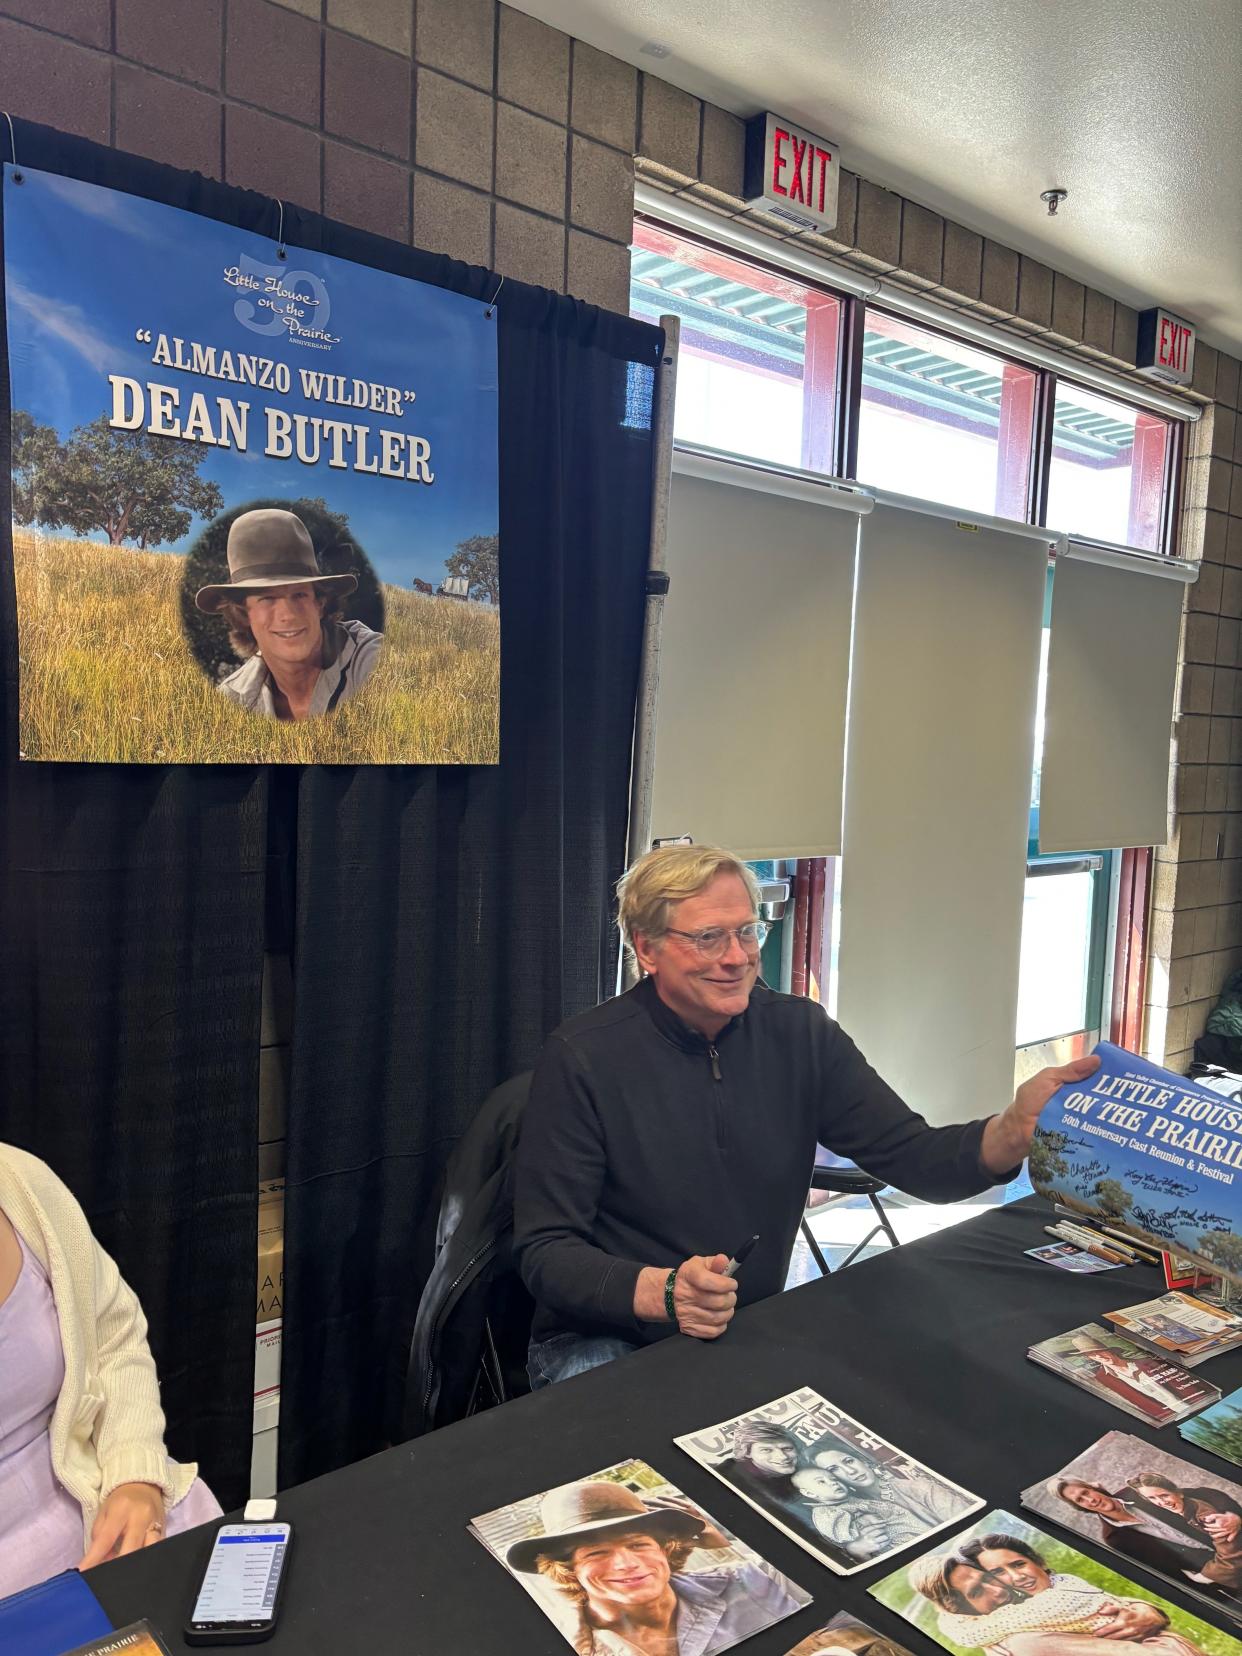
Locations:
{"points": [[444, 919], [131, 936], [447, 919]]}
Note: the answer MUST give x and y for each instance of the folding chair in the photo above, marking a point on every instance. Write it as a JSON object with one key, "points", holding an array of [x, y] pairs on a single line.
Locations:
{"points": [[848, 1181]]}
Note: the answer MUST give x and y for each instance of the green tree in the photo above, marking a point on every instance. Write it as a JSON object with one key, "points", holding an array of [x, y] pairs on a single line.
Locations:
{"points": [[1223, 1248], [478, 559], [34, 449], [1112, 1198], [1045, 1161], [1219, 1430], [133, 486]]}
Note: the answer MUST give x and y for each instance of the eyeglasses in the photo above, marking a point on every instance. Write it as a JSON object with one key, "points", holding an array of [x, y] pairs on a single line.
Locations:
{"points": [[713, 942]]}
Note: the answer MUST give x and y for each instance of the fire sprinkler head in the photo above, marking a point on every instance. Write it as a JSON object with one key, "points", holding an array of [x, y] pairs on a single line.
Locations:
{"points": [[1054, 198]]}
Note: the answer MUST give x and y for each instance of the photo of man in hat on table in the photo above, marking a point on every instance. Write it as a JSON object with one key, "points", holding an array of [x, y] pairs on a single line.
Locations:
{"points": [[285, 617], [631, 1569]]}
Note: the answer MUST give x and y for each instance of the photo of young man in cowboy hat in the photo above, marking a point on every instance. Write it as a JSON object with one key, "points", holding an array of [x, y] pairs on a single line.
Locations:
{"points": [[618, 1562], [286, 618]]}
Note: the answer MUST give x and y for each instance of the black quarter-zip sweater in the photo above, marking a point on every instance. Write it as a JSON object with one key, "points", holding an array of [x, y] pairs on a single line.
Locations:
{"points": [[643, 1143]]}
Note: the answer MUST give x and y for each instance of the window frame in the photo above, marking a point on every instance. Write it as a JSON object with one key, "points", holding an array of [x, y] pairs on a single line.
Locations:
{"points": [[1120, 907], [863, 308], [847, 403], [765, 268], [1174, 449]]}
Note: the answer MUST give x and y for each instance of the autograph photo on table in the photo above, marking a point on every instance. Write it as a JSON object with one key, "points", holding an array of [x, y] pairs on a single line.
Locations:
{"points": [[622, 1554], [1008, 1589], [1176, 1520], [1113, 1368], [845, 1635], [829, 1483]]}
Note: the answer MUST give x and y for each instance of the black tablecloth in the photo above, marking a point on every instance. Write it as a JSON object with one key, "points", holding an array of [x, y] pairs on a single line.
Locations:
{"points": [[926, 1344]]}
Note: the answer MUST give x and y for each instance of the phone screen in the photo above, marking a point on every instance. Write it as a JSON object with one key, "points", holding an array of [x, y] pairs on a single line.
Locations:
{"points": [[243, 1574]]}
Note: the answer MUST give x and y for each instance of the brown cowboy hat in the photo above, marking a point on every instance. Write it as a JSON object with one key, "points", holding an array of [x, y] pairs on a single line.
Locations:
{"points": [[575, 1513], [269, 548]]}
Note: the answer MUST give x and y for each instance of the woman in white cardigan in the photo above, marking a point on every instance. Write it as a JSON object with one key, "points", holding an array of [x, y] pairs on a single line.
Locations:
{"points": [[84, 1475]]}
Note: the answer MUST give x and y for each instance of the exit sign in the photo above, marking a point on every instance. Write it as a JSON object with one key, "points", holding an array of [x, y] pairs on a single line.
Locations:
{"points": [[1166, 347], [791, 173]]}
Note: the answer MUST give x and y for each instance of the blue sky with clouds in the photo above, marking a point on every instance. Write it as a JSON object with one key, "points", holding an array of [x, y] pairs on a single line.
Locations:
{"points": [[88, 269]]}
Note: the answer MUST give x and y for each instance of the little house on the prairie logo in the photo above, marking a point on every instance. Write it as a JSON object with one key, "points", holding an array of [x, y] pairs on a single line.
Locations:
{"points": [[281, 307]]}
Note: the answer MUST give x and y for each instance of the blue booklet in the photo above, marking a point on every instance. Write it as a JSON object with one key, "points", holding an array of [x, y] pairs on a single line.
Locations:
{"points": [[1152, 1154], [55, 1616]]}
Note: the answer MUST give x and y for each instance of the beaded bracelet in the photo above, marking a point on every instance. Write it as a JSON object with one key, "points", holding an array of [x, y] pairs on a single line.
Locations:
{"points": [[670, 1282]]}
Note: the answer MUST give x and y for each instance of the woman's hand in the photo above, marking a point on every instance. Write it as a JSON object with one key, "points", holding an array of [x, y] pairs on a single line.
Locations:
{"points": [[132, 1517]]}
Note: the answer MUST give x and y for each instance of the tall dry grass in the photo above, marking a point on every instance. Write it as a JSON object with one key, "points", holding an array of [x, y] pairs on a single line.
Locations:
{"points": [[106, 674]]}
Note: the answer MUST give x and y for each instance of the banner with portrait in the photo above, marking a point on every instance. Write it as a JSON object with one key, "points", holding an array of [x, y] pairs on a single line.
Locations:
{"points": [[255, 496]]}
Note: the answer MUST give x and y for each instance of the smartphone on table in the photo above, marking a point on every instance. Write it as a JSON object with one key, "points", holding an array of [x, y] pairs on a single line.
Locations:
{"points": [[239, 1596]]}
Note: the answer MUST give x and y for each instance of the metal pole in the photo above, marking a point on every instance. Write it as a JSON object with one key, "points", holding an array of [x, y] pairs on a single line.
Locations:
{"points": [[642, 767]]}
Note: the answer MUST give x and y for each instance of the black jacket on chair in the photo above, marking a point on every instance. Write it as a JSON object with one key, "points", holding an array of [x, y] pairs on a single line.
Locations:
{"points": [[474, 1300]]}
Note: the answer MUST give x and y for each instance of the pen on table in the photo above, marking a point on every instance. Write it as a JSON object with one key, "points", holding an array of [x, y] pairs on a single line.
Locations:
{"points": [[1067, 1239], [1149, 1255], [1090, 1234], [1107, 1240], [1087, 1238], [1081, 1239], [1064, 1237], [1107, 1237], [1115, 1244], [740, 1256], [1077, 1239]]}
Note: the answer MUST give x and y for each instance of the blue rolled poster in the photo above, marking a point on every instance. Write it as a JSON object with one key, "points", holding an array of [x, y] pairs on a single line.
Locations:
{"points": [[1150, 1153]]}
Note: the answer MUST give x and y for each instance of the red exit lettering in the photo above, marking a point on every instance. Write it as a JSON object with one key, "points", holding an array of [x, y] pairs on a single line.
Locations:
{"points": [[808, 164], [779, 161], [1173, 343], [824, 157]]}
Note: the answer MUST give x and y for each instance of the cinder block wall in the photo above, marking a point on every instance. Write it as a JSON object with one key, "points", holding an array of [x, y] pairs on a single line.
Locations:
{"points": [[472, 129]]}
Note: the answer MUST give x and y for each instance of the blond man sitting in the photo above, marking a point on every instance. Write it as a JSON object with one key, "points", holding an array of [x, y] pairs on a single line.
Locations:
{"points": [[669, 1125]]}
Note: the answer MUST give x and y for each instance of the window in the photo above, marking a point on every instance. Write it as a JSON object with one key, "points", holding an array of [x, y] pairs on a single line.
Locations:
{"points": [[1065, 917], [944, 421], [758, 367], [1109, 469], [1064, 932], [765, 371], [804, 926]]}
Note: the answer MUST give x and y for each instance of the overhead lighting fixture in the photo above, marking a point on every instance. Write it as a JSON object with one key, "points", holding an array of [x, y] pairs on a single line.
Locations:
{"points": [[655, 49], [1054, 198]]}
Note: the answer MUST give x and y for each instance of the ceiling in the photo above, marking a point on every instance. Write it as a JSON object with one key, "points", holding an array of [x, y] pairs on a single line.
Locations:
{"points": [[972, 107]]}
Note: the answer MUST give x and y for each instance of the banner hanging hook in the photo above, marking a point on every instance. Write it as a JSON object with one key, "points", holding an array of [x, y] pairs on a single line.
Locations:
{"points": [[17, 172], [280, 230], [491, 309]]}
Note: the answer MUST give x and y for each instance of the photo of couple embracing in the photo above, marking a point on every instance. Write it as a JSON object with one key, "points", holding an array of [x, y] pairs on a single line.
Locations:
{"points": [[1005, 1588]]}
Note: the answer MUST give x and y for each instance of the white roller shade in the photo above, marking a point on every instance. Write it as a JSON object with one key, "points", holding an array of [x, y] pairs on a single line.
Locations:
{"points": [[948, 616], [754, 659], [1112, 669]]}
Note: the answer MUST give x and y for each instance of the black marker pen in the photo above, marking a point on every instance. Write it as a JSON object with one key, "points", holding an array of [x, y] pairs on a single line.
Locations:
{"points": [[740, 1256]]}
